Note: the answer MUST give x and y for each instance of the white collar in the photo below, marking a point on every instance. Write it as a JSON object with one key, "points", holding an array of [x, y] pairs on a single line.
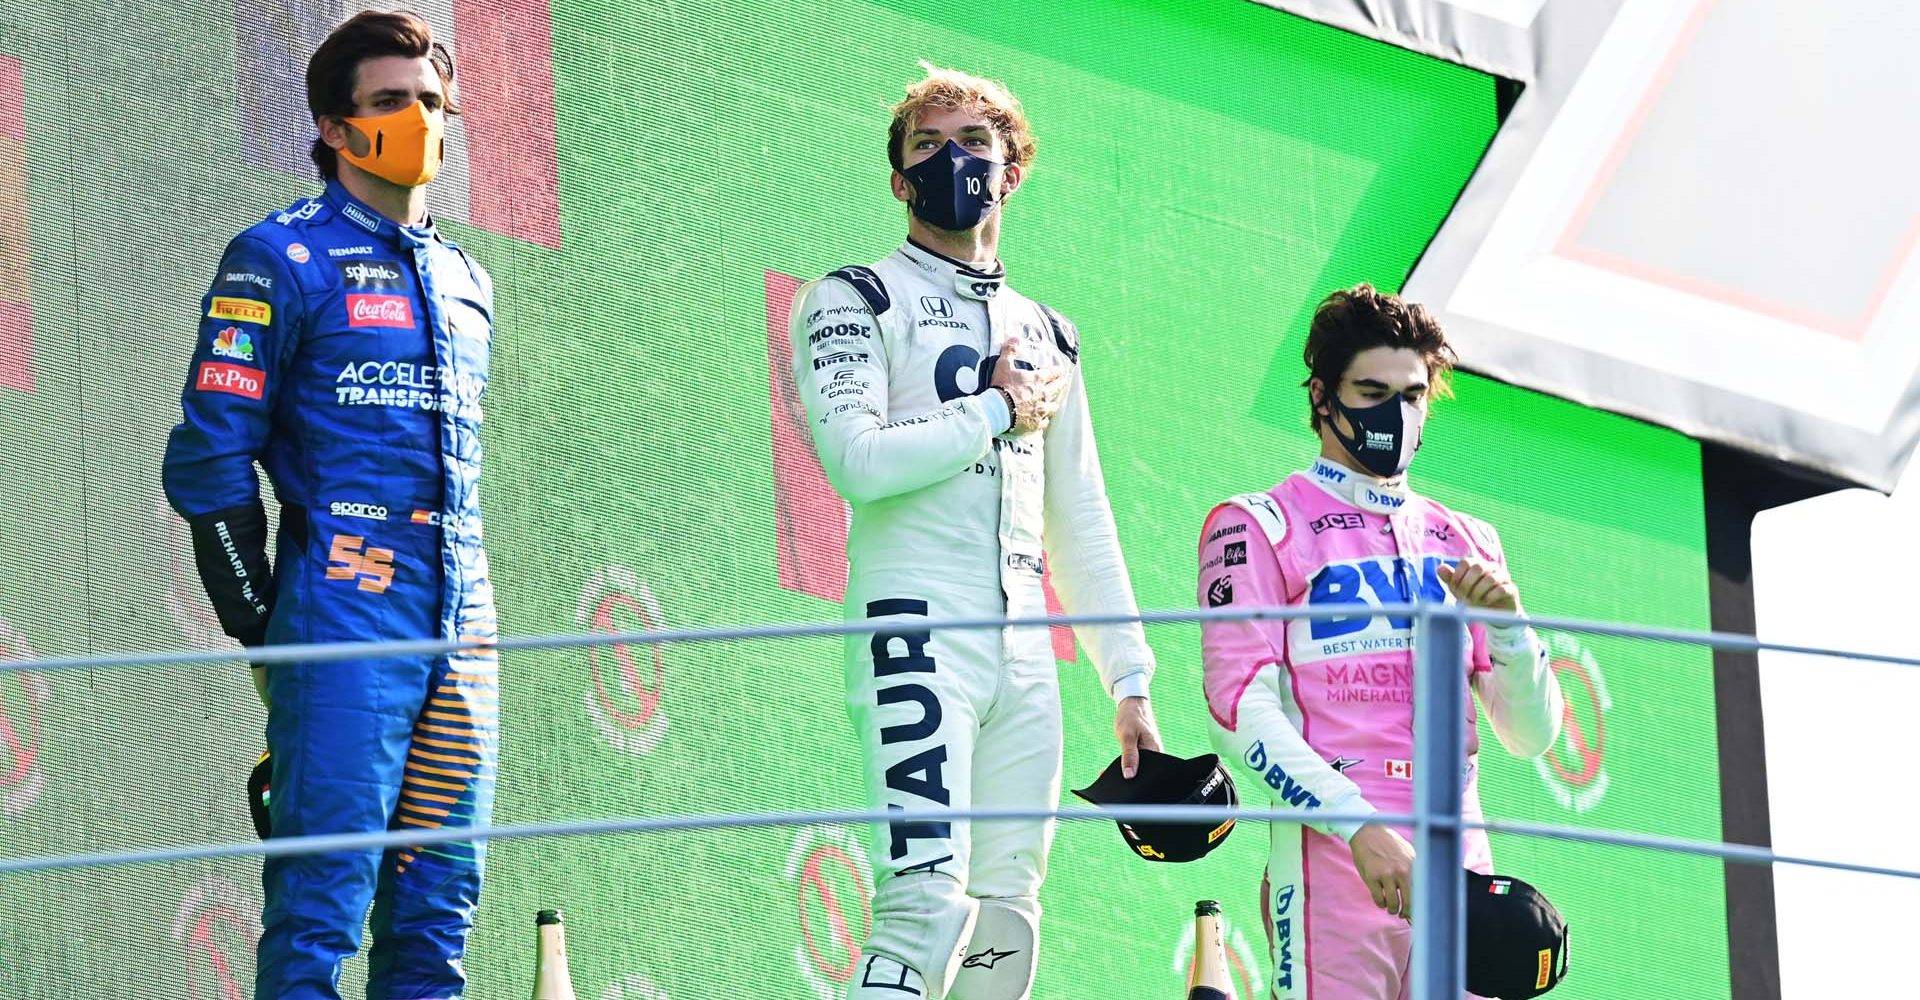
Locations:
{"points": [[967, 280], [1383, 496]]}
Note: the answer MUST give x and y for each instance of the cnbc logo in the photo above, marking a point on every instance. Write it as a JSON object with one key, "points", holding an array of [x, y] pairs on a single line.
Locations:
{"points": [[626, 685], [1574, 769]]}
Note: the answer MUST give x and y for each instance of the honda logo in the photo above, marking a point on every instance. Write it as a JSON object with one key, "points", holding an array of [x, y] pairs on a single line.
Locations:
{"points": [[936, 306]]}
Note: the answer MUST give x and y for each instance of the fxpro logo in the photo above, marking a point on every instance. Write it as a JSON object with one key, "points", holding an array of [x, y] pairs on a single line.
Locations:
{"points": [[624, 699], [214, 927], [1240, 959], [1574, 769], [24, 701], [828, 870]]}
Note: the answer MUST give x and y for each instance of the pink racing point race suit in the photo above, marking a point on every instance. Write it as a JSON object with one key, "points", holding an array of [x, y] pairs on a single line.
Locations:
{"points": [[1319, 714]]}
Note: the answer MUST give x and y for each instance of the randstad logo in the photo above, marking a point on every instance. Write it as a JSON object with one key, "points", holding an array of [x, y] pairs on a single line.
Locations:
{"points": [[1278, 779], [231, 343]]}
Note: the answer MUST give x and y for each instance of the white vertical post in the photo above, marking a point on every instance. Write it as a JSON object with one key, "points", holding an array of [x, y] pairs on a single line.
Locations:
{"points": [[1439, 749]]}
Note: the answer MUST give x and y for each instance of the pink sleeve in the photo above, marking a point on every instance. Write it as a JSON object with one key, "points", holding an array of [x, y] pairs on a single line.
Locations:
{"points": [[1486, 545], [1237, 569]]}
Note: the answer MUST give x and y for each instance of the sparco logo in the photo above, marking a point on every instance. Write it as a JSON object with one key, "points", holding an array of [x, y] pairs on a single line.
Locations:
{"points": [[1240, 959], [624, 701], [828, 869], [24, 700], [1574, 769], [633, 986], [369, 511], [214, 929]]}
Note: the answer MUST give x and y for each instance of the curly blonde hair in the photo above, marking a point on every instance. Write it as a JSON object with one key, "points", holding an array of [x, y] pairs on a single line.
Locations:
{"points": [[950, 88]]}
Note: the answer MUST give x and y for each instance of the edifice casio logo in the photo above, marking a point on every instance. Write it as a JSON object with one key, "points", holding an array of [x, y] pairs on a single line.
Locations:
{"points": [[1574, 769], [828, 869], [24, 700], [214, 927], [624, 699], [1240, 958]]}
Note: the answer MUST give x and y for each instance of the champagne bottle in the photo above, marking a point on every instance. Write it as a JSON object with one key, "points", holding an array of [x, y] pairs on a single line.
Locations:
{"points": [[1208, 978], [551, 980]]}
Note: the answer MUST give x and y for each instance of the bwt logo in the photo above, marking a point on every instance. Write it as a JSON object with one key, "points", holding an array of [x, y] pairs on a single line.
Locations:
{"points": [[627, 712], [1574, 769], [24, 701], [214, 927], [1283, 937], [1240, 959], [1279, 780], [829, 872], [1373, 581]]}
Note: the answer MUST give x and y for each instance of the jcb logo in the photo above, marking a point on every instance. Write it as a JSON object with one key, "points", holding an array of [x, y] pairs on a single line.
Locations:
{"points": [[351, 559]]}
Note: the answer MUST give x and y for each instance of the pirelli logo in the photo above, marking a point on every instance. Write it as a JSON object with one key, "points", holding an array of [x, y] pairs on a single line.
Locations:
{"points": [[1546, 969], [351, 559], [241, 310]]}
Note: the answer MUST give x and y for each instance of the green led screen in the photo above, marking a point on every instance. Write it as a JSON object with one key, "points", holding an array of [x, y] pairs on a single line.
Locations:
{"points": [[648, 183]]}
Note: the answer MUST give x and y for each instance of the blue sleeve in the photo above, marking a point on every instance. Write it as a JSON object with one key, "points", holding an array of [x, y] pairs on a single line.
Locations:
{"points": [[250, 326], [250, 323]]}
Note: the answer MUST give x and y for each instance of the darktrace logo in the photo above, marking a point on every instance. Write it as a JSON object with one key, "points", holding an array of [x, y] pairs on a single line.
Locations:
{"points": [[829, 872], [24, 702], [624, 699], [1240, 959], [214, 927], [1574, 769]]}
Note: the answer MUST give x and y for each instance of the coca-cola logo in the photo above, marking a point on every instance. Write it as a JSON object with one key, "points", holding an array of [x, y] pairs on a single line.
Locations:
{"points": [[1240, 958], [834, 885], [624, 700], [214, 927], [379, 310], [1574, 769], [24, 701]]}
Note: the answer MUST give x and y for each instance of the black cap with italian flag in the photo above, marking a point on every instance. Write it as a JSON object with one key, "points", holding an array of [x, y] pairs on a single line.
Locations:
{"points": [[1516, 940]]}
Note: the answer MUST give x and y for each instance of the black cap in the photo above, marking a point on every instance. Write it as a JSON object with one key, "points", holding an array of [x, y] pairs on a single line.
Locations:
{"points": [[1516, 940], [259, 793], [1167, 780]]}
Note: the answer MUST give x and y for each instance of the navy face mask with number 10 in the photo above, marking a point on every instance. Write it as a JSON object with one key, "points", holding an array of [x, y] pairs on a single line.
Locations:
{"points": [[954, 189]]}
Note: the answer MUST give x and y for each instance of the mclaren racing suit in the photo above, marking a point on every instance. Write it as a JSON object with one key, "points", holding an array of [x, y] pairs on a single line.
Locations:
{"points": [[1319, 714], [951, 515], [348, 355]]}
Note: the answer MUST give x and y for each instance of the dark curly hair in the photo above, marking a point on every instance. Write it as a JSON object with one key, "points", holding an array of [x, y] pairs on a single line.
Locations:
{"points": [[334, 69], [1360, 318]]}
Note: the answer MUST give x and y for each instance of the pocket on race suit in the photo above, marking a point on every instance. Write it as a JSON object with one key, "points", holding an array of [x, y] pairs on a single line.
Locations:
{"points": [[370, 577]]}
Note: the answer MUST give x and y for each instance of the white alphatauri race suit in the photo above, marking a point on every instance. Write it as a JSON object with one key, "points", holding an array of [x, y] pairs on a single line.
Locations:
{"points": [[951, 515]]}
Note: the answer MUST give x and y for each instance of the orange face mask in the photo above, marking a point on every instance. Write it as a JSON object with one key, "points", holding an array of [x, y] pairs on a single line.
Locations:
{"points": [[405, 147]]}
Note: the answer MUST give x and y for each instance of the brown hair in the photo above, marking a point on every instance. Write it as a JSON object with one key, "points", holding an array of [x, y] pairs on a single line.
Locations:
{"points": [[1361, 318], [334, 69], [950, 88]]}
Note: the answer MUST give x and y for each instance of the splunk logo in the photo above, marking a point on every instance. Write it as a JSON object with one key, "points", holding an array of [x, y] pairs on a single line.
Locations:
{"points": [[834, 885], [24, 701], [1277, 778], [1240, 959], [1574, 769], [1367, 584], [214, 928], [624, 699]]}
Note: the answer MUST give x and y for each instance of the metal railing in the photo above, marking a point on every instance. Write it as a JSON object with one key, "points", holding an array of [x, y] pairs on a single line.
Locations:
{"points": [[1440, 733]]}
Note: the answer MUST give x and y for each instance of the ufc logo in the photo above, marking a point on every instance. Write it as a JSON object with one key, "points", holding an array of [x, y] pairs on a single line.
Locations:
{"points": [[351, 559]]}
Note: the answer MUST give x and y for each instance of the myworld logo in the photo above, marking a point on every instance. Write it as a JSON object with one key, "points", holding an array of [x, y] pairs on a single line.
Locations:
{"points": [[829, 872], [1240, 958], [1574, 768], [624, 701], [24, 700], [214, 927]]}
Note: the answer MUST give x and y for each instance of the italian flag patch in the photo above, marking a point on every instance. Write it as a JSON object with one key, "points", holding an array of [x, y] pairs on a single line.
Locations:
{"points": [[1500, 887]]}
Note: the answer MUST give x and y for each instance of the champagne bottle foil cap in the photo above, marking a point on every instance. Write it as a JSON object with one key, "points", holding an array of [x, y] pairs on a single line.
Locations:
{"points": [[546, 917], [1206, 908]]}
